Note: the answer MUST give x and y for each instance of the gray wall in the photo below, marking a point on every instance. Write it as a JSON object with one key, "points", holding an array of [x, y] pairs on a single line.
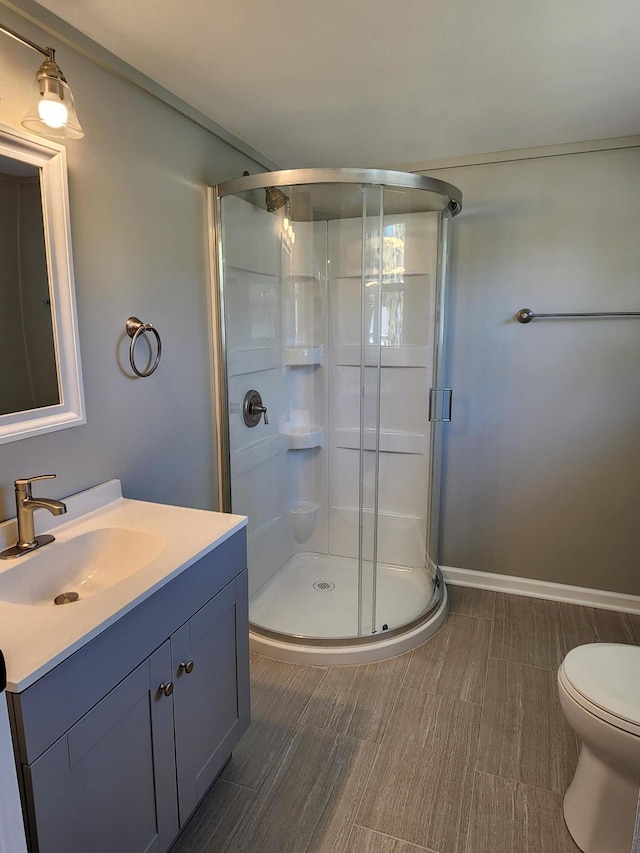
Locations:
{"points": [[542, 461], [137, 191]]}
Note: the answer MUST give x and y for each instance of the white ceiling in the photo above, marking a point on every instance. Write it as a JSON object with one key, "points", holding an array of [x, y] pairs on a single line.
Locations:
{"points": [[385, 82]]}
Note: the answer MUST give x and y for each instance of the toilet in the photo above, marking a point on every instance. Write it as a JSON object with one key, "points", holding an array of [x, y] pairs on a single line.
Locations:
{"points": [[599, 687]]}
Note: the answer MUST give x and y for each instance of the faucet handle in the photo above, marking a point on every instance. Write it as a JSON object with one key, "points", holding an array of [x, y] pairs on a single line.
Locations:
{"points": [[25, 482]]}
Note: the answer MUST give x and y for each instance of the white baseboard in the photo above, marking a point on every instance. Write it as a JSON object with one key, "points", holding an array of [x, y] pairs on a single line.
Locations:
{"points": [[542, 589]]}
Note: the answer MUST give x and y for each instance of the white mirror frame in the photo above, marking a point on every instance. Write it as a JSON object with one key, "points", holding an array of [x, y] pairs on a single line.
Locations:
{"points": [[51, 159]]}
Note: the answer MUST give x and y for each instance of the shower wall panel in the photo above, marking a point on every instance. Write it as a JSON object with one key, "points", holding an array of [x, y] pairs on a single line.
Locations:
{"points": [[275, 307], [253, 271], [303, 422]]}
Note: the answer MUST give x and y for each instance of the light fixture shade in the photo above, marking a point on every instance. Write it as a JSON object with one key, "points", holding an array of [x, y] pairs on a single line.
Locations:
{"points": [[52, 111]]}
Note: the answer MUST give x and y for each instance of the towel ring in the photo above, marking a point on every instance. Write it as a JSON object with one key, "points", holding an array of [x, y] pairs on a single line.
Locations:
{"points": [[134, 329]]}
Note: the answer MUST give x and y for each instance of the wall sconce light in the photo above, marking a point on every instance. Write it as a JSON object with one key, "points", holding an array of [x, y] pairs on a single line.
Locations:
{"points": [[52, 111]]}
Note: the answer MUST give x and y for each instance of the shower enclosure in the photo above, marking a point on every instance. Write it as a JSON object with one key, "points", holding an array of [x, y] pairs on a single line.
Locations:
{"points": [[328, 311]]}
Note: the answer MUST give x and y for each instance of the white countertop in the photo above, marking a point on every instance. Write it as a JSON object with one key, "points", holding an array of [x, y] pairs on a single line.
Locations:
{"points": [[34, 639]]}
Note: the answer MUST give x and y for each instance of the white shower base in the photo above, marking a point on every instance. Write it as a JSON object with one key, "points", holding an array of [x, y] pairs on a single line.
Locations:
{"points": [[290, 604]]}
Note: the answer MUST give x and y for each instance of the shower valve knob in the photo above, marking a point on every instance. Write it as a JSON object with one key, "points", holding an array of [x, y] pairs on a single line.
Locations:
{"points": [[252, 409]]}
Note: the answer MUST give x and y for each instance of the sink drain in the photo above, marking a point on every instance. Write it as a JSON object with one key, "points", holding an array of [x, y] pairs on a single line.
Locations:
{"points": [[66, 598], [324, 586]]}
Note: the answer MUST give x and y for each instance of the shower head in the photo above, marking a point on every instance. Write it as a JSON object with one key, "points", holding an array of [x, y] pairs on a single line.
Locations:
{"points": [[275, 199]]}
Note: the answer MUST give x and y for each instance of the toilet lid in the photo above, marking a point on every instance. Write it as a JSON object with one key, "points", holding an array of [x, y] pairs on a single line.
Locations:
{"points": [[608, 676]]}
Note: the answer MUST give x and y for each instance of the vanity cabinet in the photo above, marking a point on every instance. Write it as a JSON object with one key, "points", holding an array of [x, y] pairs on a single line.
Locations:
{"points": [[150, 711], [205, 697], [106, 784]]}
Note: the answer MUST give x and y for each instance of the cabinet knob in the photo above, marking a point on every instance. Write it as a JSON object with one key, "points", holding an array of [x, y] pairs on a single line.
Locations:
{"points": [[167, 688], [186, 667]]}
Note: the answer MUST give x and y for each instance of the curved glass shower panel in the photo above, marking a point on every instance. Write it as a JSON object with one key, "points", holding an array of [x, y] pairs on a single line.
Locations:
{"points": [[406, 317], [442, 397], [331, 295]]}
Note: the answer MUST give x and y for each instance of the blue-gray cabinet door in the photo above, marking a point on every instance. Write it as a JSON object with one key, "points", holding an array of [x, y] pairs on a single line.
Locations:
{"points": [[108, 785], [210, 700]]}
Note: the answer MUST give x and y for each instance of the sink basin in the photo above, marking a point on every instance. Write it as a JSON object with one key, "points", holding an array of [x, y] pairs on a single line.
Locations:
{"points": [[87, 564], [113, 552]]}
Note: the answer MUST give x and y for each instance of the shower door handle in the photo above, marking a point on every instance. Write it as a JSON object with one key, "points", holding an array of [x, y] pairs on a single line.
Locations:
{"points": [[440, 405]]}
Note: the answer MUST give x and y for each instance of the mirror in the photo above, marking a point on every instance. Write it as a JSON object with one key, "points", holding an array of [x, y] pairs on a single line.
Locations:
{"points": [[28, 379], [40, 378]]}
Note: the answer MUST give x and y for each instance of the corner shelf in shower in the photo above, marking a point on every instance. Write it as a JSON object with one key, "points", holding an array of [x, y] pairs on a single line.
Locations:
{"points": [[302, 439], [301, 356]]}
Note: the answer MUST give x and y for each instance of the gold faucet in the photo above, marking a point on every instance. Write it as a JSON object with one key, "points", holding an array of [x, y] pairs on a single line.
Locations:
{"points": [[25, 505]]}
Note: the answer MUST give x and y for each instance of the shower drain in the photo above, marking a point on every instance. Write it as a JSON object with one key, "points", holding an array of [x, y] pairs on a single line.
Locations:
{"points": [[324, 586]]}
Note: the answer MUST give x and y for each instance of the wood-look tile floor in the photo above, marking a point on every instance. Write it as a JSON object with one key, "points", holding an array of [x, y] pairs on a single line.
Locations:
{"points": [[459, 746]]}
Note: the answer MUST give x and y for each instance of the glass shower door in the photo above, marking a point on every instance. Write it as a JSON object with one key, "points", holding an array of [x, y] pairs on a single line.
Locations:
{"points": [[329, 303]]}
